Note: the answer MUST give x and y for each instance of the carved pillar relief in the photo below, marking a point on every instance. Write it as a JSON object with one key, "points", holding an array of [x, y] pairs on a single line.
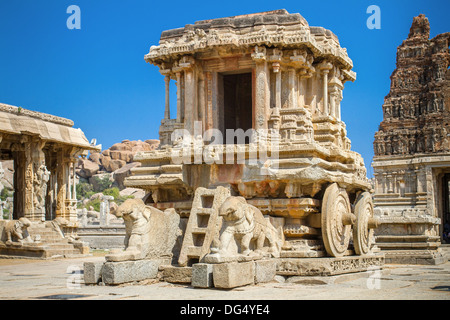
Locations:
{"points": [[190, 92], [167, 109], [179, 97], [325, 68], [262, 92]]}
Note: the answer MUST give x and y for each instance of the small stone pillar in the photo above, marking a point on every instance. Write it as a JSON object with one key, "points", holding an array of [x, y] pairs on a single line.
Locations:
{"points": [[104, 210], [84, 219]]}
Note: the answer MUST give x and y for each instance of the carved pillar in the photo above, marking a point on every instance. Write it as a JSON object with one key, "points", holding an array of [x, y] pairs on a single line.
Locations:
{"points": [[201, 98], [167, 110], [303, 77], [325, 67], [277, 71], [179, 97], [190, 96], [335, 93], [74, 181], [28, 207], [384, 183], [275, 58], [19, 181], [325, 92], [262, 93], [61, 184], [292, 89]]}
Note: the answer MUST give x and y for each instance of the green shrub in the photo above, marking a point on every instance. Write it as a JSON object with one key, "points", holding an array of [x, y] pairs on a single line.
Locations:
{"points": [[102, 183], [5, 194], [94, 203], [84, 190], [112, 192], [5, 214]]}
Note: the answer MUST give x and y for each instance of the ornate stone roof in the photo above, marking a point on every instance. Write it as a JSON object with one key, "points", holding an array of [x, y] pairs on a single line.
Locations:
{"points": [[277, 28]]}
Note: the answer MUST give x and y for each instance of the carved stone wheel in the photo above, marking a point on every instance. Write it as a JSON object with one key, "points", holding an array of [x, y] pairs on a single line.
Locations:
{"points": [[363, 230], [337, 220]]}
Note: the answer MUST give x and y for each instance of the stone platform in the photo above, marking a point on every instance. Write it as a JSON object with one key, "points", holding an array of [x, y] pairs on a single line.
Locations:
{"points": [[47, 243], [421, 257], [329, 266]]}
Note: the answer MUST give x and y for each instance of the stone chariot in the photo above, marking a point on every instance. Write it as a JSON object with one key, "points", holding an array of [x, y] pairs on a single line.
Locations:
{"points": [[275, 85]]}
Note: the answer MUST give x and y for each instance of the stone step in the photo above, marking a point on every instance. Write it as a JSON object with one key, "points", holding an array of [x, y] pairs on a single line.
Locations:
{"points": [[57, 252], [60, 246]]}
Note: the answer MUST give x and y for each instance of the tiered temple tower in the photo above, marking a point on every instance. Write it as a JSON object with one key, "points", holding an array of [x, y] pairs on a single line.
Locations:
{"points": [[412, 151]]}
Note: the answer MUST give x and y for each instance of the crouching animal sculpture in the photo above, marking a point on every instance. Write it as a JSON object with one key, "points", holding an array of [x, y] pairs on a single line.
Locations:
{"points": [[246, 225], [16, 231], [150, 233]]}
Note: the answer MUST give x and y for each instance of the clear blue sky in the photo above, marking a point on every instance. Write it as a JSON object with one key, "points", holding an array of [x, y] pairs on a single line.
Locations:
{"points": [[97, 75]]}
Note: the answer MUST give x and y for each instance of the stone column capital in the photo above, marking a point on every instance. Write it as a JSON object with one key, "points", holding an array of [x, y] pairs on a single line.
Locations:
{"points": [[186, 63], [259, 55], [298, 58], [325, 67]]}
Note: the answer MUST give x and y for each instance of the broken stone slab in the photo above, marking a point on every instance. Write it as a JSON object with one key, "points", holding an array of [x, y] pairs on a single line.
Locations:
{"points": [[234, 274], [93, 272], [114, 273], [329, 266], [202, 275], [175, 274]]}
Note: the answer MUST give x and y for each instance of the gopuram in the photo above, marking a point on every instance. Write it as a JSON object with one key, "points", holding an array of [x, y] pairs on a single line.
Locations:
{"points": [[412, 151], [44, 149], [255, 176]]}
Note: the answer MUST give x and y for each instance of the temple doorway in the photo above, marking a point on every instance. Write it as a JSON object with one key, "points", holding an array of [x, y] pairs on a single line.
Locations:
{"points": [[237, 89]]}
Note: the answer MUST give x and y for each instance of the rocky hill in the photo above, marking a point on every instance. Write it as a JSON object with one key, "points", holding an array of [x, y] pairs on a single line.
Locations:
{"points": [[114, 163]]}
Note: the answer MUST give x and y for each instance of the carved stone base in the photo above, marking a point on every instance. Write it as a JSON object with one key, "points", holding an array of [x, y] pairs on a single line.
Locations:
{"points": [[302, 248], [422, 257], [329, 266]]}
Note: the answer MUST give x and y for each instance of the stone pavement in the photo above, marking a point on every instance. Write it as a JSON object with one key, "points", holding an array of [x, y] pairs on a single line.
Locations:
{"points": [[62, 279]]}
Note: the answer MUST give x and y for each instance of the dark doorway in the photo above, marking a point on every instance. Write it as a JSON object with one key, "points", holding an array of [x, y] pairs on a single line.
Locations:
{"points": [[237, 101]]}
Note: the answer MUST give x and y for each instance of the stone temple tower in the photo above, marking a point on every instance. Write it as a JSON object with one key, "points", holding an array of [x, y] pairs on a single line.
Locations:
{"points": [[412, 151]]}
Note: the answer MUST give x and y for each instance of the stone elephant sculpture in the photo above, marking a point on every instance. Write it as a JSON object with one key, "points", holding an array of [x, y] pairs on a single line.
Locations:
{"points": [[246, 225], [149, 232], [16, 231]]}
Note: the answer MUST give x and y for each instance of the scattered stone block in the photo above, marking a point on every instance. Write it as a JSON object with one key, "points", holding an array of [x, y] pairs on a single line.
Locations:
{"points": [[93, 272], [265, 270], [234, 274], [114, 273], [202, 275], [174, 274]]}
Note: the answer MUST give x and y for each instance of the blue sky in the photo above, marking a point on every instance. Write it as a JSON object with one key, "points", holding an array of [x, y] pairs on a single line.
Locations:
{"points": [[97, 75]]}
